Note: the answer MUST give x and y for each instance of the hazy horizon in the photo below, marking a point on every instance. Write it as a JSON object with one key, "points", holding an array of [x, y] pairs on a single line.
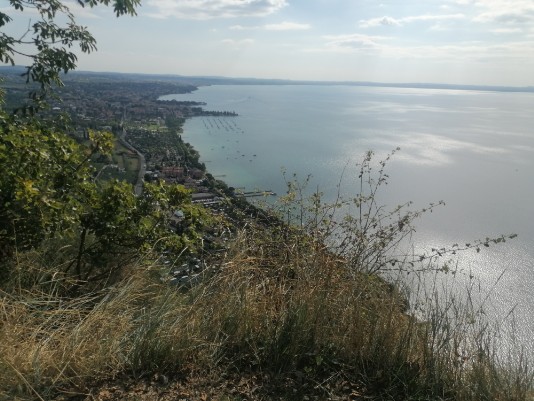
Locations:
{"points": [[305, 81], [461, 42], [249, 80]]}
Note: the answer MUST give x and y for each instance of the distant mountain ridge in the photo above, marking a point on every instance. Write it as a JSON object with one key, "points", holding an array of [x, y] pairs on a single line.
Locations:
{"points": [[217, 80]]}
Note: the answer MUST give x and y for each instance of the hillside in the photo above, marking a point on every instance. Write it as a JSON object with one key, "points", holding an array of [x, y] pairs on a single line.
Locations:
{"points": [[108, 296]]}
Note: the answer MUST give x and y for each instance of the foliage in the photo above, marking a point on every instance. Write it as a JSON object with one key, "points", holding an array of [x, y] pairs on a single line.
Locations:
{"points": [[278, 302], [47, 43], [175, 149], [47, 177], [47, 190], [43, 183], [299, 297], [174, 124], [118, 225], [47, 187]]}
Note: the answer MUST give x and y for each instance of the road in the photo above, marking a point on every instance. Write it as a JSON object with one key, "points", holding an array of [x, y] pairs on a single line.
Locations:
{"points": [[138, 188]]}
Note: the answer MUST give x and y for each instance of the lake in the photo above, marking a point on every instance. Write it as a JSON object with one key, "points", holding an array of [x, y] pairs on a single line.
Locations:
{"points": [[472, 149]]}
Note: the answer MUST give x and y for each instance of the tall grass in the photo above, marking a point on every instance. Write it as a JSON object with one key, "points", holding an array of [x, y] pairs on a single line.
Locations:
{"points": [[274, 304], [278, 301]]}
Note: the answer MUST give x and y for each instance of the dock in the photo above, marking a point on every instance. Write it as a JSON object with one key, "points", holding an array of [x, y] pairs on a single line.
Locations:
{"points": [[251, 194]]}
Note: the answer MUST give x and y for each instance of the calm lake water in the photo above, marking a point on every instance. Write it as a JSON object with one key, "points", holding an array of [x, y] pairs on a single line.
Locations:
{"points": [[473, 150]]}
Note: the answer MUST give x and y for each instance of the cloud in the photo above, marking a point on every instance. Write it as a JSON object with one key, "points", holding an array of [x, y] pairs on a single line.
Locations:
{"points": [[287, 26], [282, 26], [498, 16], [238, 43], [461, 52], [209, 9], [354, 42], [390, 21], [444, 17], [382, 21], [506, 30], [476, 52], [505, 12]]}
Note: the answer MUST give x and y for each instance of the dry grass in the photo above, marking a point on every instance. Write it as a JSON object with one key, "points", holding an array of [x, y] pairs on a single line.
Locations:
{"points": [[277, 303]]}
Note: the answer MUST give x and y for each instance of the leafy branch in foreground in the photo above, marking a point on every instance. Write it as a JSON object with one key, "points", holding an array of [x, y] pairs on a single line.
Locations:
{"points": [[47, 43]]}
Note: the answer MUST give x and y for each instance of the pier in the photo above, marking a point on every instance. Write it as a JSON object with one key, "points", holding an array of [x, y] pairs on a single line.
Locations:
{"points": [[251, 194]]}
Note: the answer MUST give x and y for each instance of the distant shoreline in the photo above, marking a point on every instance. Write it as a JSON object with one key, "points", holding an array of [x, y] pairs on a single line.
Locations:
{"points": [[208, 81], [219, 80], [267, 82]]}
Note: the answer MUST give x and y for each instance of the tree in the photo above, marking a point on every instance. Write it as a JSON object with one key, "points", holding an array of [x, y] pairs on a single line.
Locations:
{"points": [[116, 225], [45, 179], [47, 44], [45, 173], [48, 188]]}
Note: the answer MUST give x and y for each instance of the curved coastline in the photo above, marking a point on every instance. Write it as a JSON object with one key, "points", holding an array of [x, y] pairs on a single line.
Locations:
{"points": [[418, 148]]}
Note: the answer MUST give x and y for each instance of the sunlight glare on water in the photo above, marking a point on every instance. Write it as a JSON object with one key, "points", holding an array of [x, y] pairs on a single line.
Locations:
{"points": [[472, 149]]}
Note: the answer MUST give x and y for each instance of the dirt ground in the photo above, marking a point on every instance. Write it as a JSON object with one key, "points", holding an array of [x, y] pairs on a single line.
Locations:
{"points": [[224, 387]]}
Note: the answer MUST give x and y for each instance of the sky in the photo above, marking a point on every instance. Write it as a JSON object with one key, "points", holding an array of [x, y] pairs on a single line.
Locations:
{"points": [[479, 42]]}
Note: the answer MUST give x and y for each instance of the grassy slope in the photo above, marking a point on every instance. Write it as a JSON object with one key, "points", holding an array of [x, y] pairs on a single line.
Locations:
{"points": [[278, 317]]}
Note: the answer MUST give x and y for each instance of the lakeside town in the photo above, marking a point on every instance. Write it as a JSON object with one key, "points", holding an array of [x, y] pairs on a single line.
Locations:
{"points": [[147, 140], [148, 144]]}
